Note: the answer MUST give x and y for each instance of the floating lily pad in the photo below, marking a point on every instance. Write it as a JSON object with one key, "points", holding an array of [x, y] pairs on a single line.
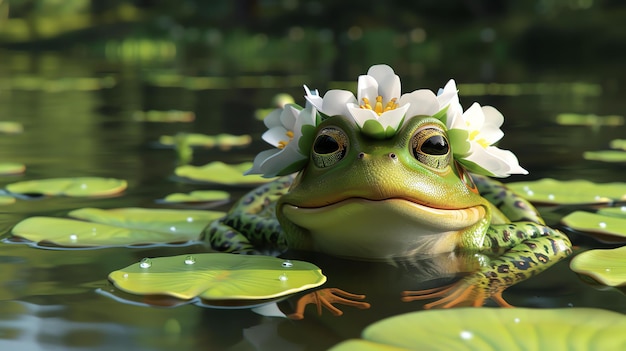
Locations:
{"points": [[188, 223], [574, 119], [495, 329], [613, 211], [11, 127], [607, 266], [605, 155], [221, 173], [618, 144], [197, 196], [222, 141], [569, 192], [9, 168], [604, 228], [218, 276], [6, 200], [164, 116], [77, 187]]}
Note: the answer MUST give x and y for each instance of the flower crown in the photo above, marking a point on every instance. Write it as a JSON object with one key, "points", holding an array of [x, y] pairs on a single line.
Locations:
{"points": [[379, 111]]}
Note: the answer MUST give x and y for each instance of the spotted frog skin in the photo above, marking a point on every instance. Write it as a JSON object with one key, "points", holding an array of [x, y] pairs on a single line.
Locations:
{"points": [[368, 199]]}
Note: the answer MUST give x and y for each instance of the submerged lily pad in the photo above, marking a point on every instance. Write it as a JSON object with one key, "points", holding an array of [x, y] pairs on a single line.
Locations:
{"points": [[495, 329], [77, 187], [607, 266], [8, 168], [604, 228], [222, 141], [197, 196], [11, 127], [218, 276], [569, 192], [606, 155], [221, 173], [184, 222]]}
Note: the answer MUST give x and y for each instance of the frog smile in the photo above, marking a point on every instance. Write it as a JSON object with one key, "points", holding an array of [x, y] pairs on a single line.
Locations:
{"points": [[363, 228]]}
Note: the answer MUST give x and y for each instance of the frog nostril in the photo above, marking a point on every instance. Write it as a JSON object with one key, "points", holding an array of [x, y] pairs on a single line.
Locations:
{"points": [[361, 155], [393, 156]]}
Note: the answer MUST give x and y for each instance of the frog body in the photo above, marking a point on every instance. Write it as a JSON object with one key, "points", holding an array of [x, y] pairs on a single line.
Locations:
{"points": [[382, 199]]}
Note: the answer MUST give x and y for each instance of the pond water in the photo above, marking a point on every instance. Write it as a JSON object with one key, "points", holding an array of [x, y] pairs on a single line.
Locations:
{"points": [[53, 300]]}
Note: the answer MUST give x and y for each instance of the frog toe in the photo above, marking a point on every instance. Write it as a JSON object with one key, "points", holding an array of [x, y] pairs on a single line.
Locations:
{"points": [[326, 298]]}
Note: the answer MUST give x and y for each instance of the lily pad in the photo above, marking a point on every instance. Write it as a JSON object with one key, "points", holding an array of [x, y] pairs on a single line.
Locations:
{"points": [[221, 173], [569, 192], [604, 228], [574, 119], [222, 141], [11, 127], [613, 211], [197, 196], [607, 266], [9, 168], [76, 187], [74, 233], [605, 155], [495, 329], [6, 200], [218, 276], [188, 223], [164, 116], [618, 144]]}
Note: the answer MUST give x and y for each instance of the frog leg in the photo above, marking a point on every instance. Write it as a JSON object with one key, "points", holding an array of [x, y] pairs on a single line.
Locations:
{"points": [[521, 250], [325, 298], [250, 226], [513, 206]]}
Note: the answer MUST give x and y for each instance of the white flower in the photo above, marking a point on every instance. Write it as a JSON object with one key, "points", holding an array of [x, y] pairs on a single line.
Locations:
{"points": [[285, 129], [379, 101], [448, 97], [482, 129]]}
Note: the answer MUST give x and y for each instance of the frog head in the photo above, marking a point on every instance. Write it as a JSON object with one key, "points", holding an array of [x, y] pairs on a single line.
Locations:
{"points": [[371, 198]]}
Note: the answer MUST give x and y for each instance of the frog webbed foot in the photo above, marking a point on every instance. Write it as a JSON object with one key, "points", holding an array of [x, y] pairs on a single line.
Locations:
{"points": [[462, 293], [326, 298]]}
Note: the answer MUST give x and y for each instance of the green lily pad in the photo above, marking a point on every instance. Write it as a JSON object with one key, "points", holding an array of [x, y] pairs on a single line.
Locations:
{"points": [[11, 127], [76, 187], [613, 211], [604, 228], [222, 141], [495, 329], [74, 233], [607, 266], [221, 173], [164, 116], [188, 223], [9, 168], [569, 192], [6, 200], [605, 155], [574, 119], [218, 276], [197, 196], [618, 144]]}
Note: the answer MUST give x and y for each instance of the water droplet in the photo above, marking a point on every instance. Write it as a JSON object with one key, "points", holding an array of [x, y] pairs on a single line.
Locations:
{"points": [[190, 260], [73, 237], [145, 263], [287, 264], [607, 269], [125, 276], [516, 320], [466, 335], [283, 277], [530, 192], [602, 224], [570, 304], [172, 228], [83, 186], [189, 219], [551, 196]]}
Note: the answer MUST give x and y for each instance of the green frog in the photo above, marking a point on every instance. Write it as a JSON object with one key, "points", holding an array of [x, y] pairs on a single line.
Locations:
{"points": [[368, 198]]}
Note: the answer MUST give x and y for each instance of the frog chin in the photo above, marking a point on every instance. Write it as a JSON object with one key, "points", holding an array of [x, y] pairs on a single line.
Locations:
{"points": [[380, 229]]}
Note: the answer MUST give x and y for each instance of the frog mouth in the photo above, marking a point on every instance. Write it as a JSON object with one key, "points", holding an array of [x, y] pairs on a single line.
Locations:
{"points": [[378, 229]]}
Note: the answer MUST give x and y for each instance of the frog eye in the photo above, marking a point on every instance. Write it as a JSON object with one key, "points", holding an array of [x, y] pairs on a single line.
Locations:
{"points": [[430, 146], [329, 147]]}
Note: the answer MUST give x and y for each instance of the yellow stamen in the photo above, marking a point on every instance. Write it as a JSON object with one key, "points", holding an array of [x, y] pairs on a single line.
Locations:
{"points": [[281, 144], [378, 107], [482, 142]]}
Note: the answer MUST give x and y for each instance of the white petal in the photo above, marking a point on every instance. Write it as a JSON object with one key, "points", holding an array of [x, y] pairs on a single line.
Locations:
{"points": [[279, 161], [393, 117], [273, 119], [501, 163], [388, 82], [473, 117], [274, 135], [509, 159], [305, 117], [361, 115], [493, 117], [335, 102], [289, 116], [423, 102], [449, 96], [313, 97], [259, 159], [367, 88]]}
